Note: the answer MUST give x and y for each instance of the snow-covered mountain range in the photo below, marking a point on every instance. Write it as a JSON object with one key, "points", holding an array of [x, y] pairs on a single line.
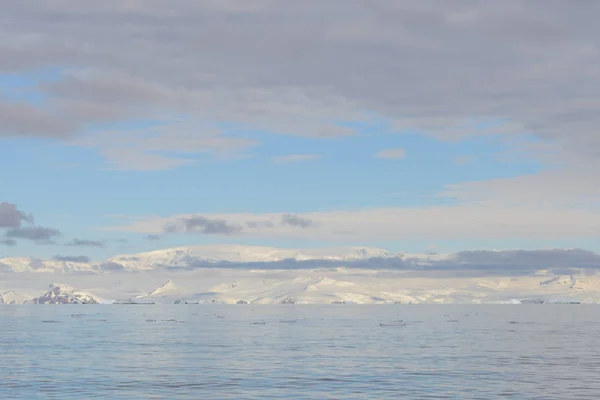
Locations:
{"points": [[265, 275], [207, 256], [217, 286], [190, 256]]}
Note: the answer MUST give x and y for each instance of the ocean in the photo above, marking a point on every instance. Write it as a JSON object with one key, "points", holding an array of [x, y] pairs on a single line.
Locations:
{"points": [[299, 352]]}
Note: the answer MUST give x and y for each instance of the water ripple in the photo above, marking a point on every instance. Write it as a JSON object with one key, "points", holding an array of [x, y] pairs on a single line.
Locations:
{"points": [[325, 352]]}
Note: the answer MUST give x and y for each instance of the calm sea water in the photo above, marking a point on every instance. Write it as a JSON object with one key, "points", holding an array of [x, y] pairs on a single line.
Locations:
{"points": [[300, 352]]}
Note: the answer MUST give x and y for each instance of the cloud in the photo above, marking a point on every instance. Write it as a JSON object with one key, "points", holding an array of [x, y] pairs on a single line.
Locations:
{"points": [[152, 237], [85, 243], [480, 219], [259, 224], [167, 145], [25, 120], [515, 69], [35, 233], [11, 217], [296, 220], [76, 259], [203, 225], [463, 160], [531, 260], [391, 153], [293, 158], [110, 266], [292, 69], [510, 263]]}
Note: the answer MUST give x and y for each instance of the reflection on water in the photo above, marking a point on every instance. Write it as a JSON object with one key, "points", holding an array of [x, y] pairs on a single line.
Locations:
{"points": [[301, 352]]}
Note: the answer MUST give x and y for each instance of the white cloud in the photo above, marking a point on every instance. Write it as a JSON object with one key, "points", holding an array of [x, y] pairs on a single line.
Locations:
{"points": [[168, 145], [391, 153], [293, 158], [292, 68], [386, 224]]}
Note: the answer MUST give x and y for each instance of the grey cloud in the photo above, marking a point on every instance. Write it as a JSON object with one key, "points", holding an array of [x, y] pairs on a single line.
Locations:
{"points": [[152, 237], [259, 224], [35, 233], [344, 233], [19, 120], [203, 225], [292, 66], [296, 220], [110, 266], [8, 242], [11, 216], [105, 88], [464, 264], [77, 259], [534, 260], [85, 243]]}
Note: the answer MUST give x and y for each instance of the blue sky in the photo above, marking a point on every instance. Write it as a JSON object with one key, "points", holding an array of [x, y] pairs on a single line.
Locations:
{"points": [[111, 144]]}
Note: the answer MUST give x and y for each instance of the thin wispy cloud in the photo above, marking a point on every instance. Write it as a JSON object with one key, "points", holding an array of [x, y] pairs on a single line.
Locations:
{"points": [[294, 158], [85, 243], [391, 153]]}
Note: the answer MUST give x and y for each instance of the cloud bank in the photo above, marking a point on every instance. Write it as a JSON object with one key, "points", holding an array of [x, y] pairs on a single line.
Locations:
{"points": [[463, 264], [299, 68], [463, 221]]}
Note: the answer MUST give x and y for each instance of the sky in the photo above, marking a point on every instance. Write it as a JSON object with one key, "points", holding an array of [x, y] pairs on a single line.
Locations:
{"points": [[129, 126]]}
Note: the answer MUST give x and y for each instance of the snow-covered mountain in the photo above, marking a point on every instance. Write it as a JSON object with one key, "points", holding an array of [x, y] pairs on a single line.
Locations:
{"points": [[306, 287], [321, 286], [198, 256], [205, 255], [167, 288], [266, 275], [11, 297], [32, 264], [64, 294]]}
